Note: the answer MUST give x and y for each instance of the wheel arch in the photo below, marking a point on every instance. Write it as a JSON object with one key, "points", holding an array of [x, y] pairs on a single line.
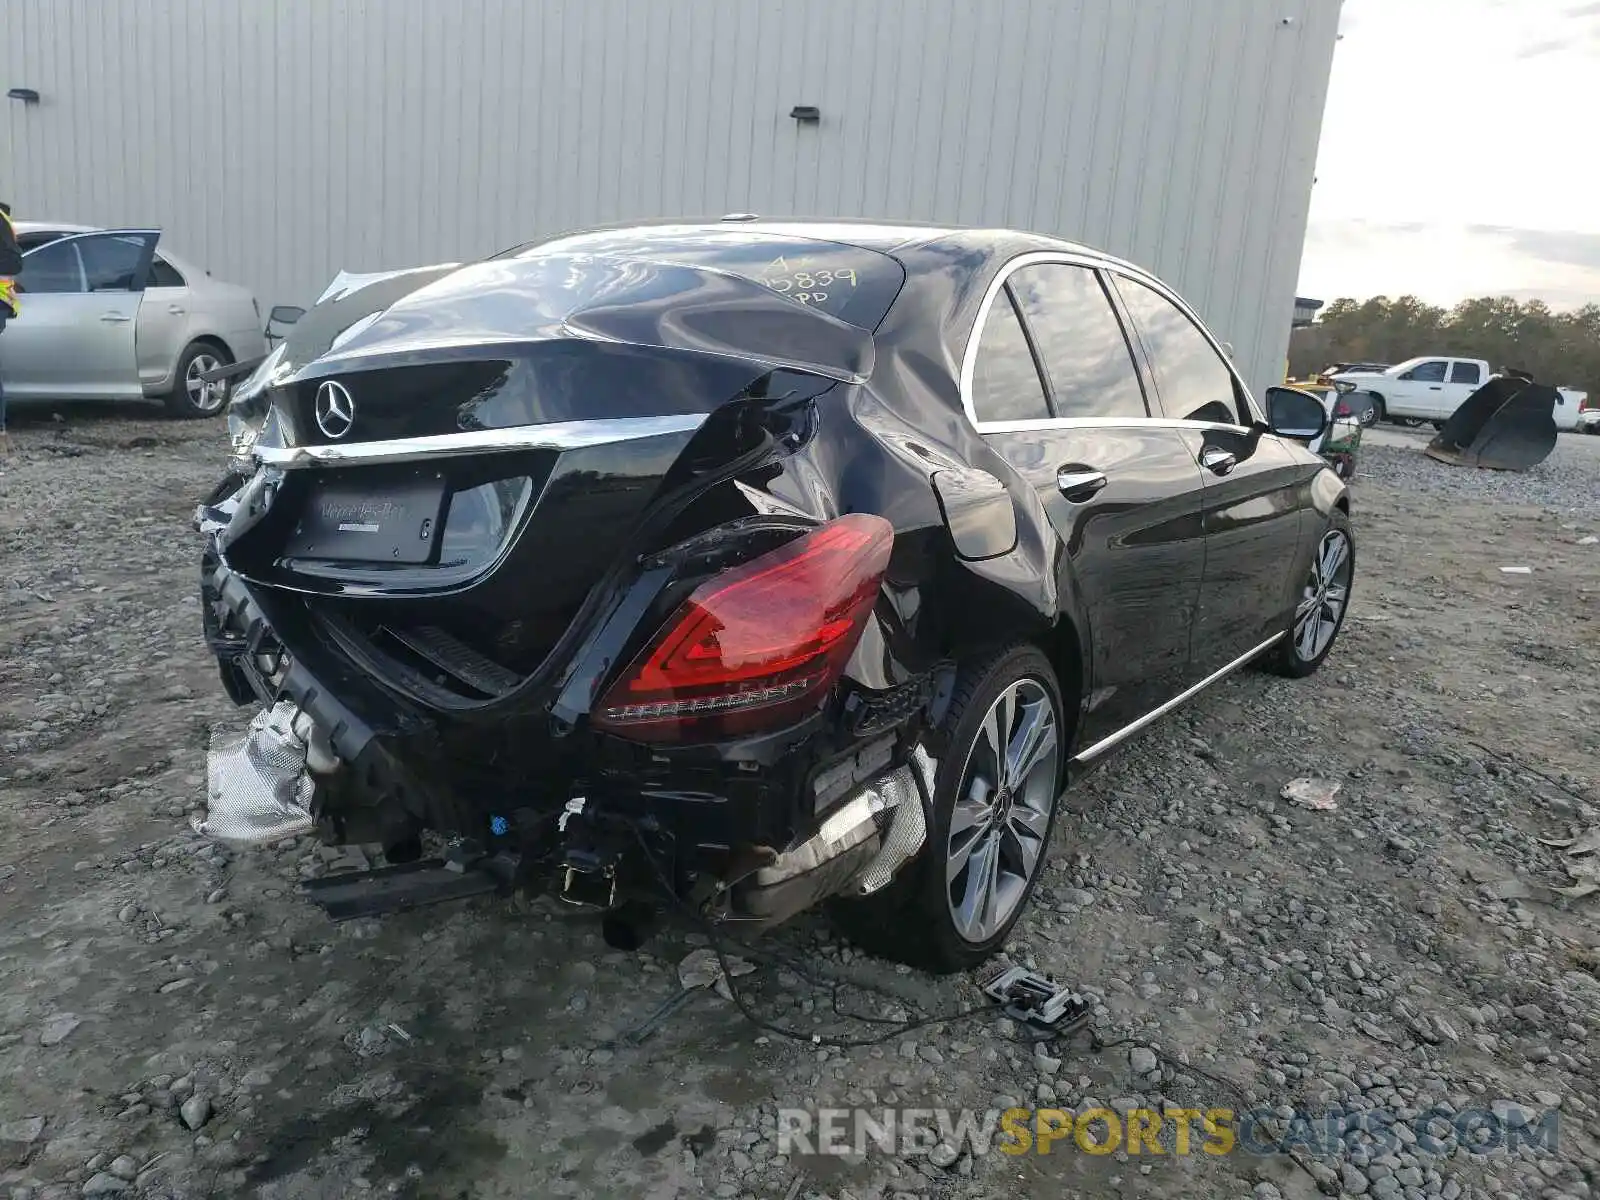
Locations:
{"points": [[214, 340], [985, 615], [1067, 650]]}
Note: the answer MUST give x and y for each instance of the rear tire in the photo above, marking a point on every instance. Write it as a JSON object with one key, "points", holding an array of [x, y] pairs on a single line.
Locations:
{"points": [[1377, 413], [191, 397], [1323, 604], [992, 817]]}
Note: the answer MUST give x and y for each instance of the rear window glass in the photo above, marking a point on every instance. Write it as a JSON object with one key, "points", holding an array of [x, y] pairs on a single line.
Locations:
{"points": [[852, 283]]}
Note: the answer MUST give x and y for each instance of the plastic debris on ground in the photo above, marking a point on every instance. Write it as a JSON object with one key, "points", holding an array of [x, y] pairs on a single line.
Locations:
{"points": [[702, 968], [1581, 862], [1315, 794], [1516, 570]]}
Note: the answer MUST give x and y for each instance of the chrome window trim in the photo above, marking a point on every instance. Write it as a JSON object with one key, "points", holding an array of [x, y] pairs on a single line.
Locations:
{"points": [[559, 435], [1113, 266], [1031, 424]]}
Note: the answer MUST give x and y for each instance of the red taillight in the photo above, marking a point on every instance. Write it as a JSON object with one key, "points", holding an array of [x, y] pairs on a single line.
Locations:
{"points": [[758, 644]]}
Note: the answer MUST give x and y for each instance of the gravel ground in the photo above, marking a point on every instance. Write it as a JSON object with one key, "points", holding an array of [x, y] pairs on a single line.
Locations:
{"points": [[176, 1023], [1565, 481]]}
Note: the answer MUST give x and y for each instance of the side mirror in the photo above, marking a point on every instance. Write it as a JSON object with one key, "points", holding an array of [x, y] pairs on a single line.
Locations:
{"points": [[281, 315], [1292, 413]]}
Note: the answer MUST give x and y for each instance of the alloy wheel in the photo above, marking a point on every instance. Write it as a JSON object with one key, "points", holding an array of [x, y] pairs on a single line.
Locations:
{"points": [[1327, 591], [205, 397], [1002, 810]]}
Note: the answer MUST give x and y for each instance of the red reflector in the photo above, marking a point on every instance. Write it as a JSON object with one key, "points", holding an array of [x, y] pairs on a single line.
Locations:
{"points": [[758, 644]]}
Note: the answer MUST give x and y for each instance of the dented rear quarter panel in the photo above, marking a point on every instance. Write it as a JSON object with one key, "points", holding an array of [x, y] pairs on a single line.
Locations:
{"points": [[976, 561]]}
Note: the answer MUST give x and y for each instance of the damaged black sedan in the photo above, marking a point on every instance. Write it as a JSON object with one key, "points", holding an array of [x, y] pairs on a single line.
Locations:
{"points": [[744, 566]]}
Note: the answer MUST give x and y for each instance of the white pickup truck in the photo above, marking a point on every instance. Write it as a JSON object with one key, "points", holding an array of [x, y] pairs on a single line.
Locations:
{"points": [[1431, 389]]}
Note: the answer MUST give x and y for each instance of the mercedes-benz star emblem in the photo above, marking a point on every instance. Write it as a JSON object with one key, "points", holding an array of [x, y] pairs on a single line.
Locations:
{"points": [[336, 410]]}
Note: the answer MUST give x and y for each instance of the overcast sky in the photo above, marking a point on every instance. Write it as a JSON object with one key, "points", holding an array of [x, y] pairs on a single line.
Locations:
{"points": [[1460, 153]]}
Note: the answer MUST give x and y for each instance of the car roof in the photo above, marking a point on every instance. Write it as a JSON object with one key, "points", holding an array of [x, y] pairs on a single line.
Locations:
{"points": [[54, 226], [902, 239]]}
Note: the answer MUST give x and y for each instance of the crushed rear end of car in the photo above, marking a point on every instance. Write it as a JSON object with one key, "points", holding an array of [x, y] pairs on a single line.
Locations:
{"points": [[543, 561]]}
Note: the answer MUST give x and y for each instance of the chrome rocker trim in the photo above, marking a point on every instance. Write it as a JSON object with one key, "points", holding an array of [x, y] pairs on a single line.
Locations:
{"points": [[1155, 714]]}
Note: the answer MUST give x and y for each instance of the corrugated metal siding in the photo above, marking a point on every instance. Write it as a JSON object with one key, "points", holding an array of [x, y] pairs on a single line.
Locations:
{"points": [[277, 141]]}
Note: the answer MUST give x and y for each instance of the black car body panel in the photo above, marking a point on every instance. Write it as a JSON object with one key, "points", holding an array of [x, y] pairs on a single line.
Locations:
{"points": [[579, 434]]}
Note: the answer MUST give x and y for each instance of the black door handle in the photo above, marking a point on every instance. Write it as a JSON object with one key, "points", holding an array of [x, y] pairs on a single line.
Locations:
{"points": [[1079, 483], [1436, 388]]}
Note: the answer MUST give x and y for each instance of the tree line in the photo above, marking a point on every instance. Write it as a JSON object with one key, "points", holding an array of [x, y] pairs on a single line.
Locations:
{"points": [[1558, 348]]}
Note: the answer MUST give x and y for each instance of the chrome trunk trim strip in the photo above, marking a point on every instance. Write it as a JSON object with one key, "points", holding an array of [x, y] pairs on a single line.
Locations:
{"points": [[559, 435]]}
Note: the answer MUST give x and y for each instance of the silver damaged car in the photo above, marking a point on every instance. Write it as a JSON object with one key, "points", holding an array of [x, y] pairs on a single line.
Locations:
{"points": [[106, 315]]}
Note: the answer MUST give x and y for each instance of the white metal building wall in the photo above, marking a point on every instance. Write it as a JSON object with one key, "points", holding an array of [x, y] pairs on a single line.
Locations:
{"points": [[278, 141]]}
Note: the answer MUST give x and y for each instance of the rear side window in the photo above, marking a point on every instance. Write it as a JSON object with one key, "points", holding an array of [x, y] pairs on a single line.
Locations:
{"points": [[53, 268], [1080, 341], [1194, 382], [1005, 381], [164, 274], [1428, 372], [1466, 372]]}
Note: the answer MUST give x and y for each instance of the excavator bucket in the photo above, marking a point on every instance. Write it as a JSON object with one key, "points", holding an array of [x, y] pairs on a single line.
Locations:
{"points": [[1507, 425]]}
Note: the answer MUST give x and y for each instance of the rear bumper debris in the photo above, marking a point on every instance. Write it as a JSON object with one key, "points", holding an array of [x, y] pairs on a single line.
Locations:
{"points": [[259, 787], [750, 833]]}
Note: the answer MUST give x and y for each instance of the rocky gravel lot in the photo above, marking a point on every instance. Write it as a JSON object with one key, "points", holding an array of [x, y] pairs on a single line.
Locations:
{"points": [[174, 1022]]}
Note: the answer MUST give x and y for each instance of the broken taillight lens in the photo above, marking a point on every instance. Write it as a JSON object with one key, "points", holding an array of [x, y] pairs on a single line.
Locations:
{"points": [[758, 644]]}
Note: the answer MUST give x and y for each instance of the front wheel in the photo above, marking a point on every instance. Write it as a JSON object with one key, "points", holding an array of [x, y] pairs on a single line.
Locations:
{"points": [[994, 804], [191, 395], [1409, 422], [1323, 602]]}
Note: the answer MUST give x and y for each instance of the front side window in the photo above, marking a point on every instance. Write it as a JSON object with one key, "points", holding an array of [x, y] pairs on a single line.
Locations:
{"points": [[1080, 341], [112, 263], [1005, 381], [55, 268], [35, 238], [1192, 378], [1466, 372], [1428, 372]]}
